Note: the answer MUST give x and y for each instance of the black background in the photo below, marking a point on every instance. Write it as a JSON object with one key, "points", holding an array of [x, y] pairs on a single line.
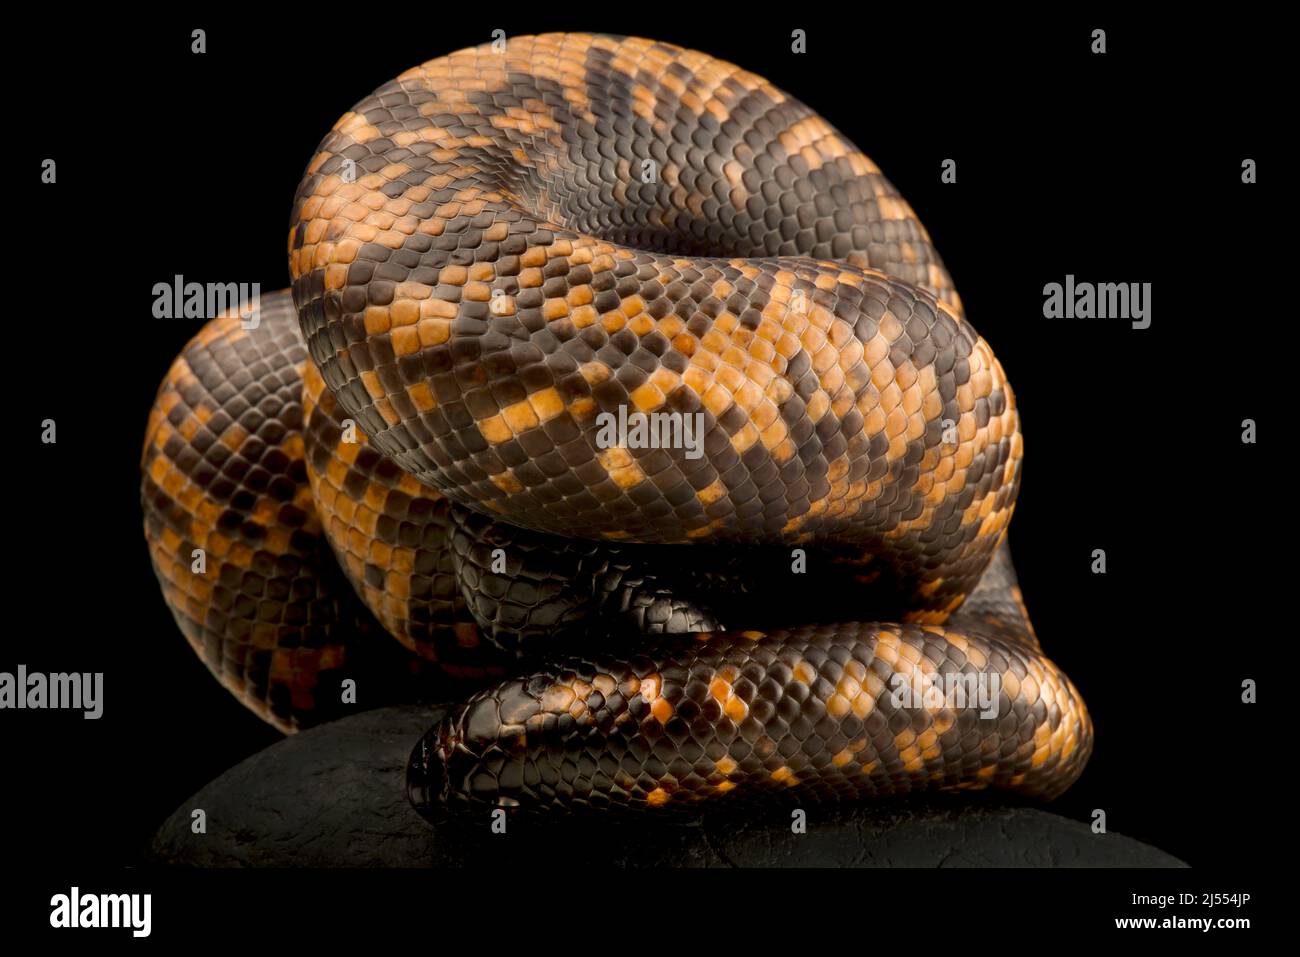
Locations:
{"points": [[1117, 168]]}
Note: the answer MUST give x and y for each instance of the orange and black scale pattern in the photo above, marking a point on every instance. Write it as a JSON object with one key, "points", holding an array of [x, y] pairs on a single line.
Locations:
{"points": [[233, 532], [476, 595], [499, 246], [481, 271], [390, 534], [808, 712]]}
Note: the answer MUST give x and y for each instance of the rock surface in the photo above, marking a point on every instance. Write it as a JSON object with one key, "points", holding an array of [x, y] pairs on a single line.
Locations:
{"points": [[334, 796]]}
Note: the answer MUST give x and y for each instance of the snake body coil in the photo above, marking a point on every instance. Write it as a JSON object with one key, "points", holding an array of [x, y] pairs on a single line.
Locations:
{"points": [[491, 253]]}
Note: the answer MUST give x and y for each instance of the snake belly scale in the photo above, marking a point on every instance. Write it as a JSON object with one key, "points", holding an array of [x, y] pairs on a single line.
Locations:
{"points": [[397, 475]]}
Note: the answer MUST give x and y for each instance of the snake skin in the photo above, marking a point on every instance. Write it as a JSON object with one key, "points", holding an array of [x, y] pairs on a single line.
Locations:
{"points": [[805, 711], [223, 472], [425, 566], [499, 246], [485, 288], [390, 535]]}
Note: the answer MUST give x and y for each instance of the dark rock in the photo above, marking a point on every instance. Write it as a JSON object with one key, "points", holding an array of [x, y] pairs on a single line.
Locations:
{"points": [[334, 796]]}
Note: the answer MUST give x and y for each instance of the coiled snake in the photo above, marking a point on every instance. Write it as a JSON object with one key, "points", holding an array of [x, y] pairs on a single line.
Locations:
{"points": [[488, 254]]}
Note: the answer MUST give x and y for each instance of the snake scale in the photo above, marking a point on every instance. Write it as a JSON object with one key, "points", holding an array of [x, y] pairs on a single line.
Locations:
{"points": [[490, 253]]}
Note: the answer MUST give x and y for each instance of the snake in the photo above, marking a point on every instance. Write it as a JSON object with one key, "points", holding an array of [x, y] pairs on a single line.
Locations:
{"points": [[404, 474]]}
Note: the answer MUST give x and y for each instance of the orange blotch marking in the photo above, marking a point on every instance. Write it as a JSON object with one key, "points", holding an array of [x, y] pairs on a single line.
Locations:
{"points": [[495, 429], [662, 709], [520, 416]]}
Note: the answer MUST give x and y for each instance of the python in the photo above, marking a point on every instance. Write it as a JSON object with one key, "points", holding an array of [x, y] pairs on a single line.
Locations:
{"points": [[781, 289]]}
